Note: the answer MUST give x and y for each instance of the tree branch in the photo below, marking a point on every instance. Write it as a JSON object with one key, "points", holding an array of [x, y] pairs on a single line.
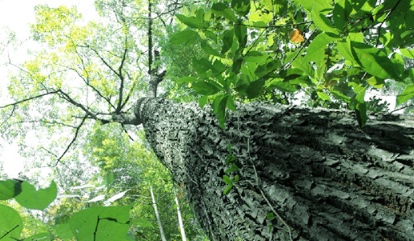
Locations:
{"points": [[73, 140], [66, 97], [30, 98], [121, 87]]}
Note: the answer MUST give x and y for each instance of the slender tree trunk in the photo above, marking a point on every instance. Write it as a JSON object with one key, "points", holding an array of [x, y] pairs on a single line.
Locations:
{"points": [[303, 174], [157, 215], [180, 219]]}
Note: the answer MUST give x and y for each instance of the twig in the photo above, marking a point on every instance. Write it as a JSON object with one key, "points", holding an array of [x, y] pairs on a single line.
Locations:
{"points": [[383, 21], [264, 196], [73, 140], [30, 98]]}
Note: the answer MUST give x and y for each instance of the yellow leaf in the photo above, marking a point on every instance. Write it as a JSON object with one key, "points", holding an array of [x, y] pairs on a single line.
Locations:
{"points": [[296, 36]]}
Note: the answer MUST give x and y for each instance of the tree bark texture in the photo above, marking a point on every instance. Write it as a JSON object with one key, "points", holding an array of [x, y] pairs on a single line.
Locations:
{"points": [[303, 174]]}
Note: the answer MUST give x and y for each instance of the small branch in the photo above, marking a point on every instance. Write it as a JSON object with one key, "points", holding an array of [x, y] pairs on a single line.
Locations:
{"points": [[66, 97], [258, 182], [121, 87], [402, 108], [383, 21], [277, 26], [30, 98], [73, 140], [125, 130], [106, 63], [87, 82], [129, 95]]}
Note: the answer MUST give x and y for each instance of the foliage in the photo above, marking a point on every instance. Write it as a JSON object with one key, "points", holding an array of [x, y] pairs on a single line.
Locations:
{"points": [[77, 78], [333, 51], [98, 223]]}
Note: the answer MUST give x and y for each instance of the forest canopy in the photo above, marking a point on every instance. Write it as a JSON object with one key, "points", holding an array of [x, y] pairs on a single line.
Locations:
{"points": [[74, 94]]}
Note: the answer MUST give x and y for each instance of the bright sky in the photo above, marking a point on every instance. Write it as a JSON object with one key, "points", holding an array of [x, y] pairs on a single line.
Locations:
{"points": [[16, 15]]}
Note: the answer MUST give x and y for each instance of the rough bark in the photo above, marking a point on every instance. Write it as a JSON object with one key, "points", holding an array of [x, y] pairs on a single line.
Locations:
{"points": [[327, 178]]}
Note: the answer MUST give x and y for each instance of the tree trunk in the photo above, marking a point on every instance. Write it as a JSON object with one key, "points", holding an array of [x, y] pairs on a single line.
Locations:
{"points": [[303, 174], [157, 215]]}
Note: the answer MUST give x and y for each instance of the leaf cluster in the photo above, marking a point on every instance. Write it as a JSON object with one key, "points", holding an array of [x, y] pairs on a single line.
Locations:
{"points": [[349, 48]]}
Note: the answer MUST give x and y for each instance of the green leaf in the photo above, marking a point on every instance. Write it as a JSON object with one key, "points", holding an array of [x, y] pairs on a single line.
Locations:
{"points": [[222, 10], [227, 40], [10, 189], [241, 33], [282, 86], [11, 224], [227, 180], [374, 61], [230, 158], [218, 67], [237, 65], [315, 6], [38, 237], [63, 232], [409, 53], [185, 36], [339, 16], [101, 223], [227, 189], [339, 95], [375, 82], [202, 65], [230, 104], [323, 96], [109, 180], [36, 199], [255, 88], [219, 108], [191, 22], [208, 49], [205, 87], [345, 50], [316, 50], [256, 57], [202, 101], [323, 23], [251, 90], [242, 7], [361, 108], [231, 169], [270, 216], [406, 95], [187, 79]]}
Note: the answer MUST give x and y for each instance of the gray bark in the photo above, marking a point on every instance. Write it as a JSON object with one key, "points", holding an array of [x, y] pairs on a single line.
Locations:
{"points": [[303, 174]]}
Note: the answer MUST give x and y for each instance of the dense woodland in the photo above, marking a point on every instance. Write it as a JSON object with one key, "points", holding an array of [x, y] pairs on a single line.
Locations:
{"points": [[212, 120]]}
